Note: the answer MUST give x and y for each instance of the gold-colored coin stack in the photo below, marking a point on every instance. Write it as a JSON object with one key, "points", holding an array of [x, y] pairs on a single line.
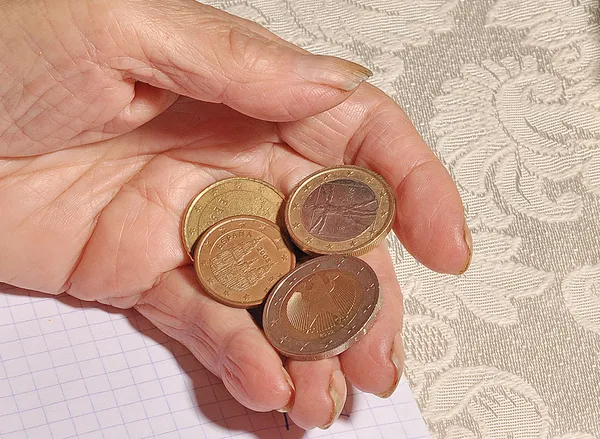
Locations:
{"points": [[245, 238]]}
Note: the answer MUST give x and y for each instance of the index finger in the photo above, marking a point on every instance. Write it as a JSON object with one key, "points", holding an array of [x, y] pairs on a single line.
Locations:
{"points": [[371, 130]]}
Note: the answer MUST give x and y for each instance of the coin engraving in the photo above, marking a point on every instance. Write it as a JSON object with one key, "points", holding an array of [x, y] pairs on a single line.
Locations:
{"points": [[237, 260], [321, 303], [243, 264]]}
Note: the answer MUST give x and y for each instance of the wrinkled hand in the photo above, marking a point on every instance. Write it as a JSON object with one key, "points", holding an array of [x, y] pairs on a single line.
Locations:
{"points": [[115, 114]]}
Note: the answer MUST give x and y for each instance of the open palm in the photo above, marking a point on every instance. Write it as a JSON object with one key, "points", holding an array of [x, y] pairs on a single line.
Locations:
{"points": [[98, 167]]}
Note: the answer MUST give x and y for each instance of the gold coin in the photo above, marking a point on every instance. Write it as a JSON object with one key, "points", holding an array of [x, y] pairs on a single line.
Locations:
{"points": [[227, 198], [322, 307], [344, 210], [239, 259]]}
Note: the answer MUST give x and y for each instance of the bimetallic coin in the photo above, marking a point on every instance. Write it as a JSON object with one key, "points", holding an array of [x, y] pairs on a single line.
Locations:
{"points": [[239, 259], [322, 307], [341, 210], [227, 198]]}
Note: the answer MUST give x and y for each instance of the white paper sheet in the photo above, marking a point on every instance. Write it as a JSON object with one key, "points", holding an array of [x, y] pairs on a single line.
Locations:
{"points": [[81, 370]]}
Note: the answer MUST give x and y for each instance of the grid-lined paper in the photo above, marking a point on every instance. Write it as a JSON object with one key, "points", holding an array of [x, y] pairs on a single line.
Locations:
{"points": [[78, 370]]}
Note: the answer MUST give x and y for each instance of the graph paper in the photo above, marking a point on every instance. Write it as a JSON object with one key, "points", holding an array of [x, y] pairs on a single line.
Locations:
{"points": [[71, 369]]}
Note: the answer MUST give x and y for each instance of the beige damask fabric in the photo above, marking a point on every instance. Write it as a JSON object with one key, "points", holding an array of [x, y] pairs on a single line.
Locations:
{"points": [[507, 93]]}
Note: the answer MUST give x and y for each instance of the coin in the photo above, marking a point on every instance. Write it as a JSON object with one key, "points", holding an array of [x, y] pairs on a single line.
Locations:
{"points": [[322, 307], [227, 198], [239, 259], [340, 210]]}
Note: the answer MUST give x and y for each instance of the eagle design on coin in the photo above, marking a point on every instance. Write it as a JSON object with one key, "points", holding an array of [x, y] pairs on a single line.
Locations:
{"points": [[321, 303]]}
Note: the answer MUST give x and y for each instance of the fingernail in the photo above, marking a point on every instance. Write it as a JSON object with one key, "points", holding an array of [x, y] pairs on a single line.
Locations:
{"points": [[469, 242], [332, 71], [337, 391], [286, 408], [396, 354]]}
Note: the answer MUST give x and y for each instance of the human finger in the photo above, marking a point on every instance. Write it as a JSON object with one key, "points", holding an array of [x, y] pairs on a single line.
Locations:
{"points": [[224, 339], [369, 129], [320, 392], [202, 52], [375, 363]]}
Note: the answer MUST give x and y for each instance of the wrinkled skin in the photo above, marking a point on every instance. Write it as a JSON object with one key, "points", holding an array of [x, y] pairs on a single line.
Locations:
{"points": [[115, 114]]}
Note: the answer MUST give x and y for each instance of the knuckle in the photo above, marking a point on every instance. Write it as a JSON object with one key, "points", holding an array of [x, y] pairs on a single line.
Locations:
{"points": [[245, 50]]}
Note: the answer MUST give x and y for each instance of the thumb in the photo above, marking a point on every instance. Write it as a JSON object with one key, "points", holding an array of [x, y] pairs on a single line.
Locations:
{"points": [[204, 53]]}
